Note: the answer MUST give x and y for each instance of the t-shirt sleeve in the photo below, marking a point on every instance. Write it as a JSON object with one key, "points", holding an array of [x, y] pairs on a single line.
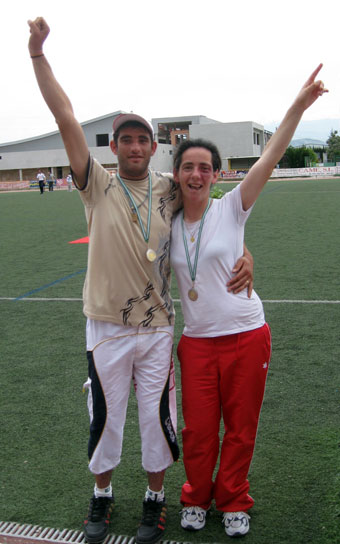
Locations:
{"points": [[234, 200], [98, 179]]}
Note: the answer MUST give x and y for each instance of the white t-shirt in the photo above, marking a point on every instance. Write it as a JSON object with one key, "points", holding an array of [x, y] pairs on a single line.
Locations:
{"points": [[216, 312]]}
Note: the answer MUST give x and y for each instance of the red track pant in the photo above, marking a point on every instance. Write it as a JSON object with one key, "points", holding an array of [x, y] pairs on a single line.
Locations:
{"points": [[225, 374]]}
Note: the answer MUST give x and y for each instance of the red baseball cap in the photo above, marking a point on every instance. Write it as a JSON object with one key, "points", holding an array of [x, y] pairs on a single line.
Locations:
{"points": [[127, 117]]}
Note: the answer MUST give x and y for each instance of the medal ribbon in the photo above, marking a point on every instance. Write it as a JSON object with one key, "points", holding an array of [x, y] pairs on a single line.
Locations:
{"points": [[193, 269], [146, 234]]}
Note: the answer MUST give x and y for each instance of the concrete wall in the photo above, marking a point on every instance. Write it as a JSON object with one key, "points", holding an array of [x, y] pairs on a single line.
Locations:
{"points": [[189, 119], [22, 165], [45, 142], [232, 139], [162, 159], [34, 159]]}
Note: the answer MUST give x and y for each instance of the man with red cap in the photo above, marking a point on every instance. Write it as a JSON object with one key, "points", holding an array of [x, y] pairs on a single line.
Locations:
{"points": [[127, 302]]}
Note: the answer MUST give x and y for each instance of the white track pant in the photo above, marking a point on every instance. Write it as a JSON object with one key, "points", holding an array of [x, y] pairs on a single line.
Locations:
{"points": [[116, 355]]}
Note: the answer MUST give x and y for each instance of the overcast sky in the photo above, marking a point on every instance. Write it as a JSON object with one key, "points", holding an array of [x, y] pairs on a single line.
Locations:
{"points": [[230, 60]]}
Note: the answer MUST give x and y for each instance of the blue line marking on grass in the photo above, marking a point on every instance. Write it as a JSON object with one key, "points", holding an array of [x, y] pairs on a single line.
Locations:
{"points": [[49, 285]]}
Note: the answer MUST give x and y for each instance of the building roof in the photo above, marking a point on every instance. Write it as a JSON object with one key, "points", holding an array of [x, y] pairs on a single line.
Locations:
{"points": [[47, 134]]}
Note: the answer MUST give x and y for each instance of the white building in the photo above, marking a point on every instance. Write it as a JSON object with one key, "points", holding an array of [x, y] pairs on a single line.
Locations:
{"points": [[240, 145], [21, 159]]}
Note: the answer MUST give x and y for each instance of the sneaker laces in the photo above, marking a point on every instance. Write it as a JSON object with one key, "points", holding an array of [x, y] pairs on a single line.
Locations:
{"points": [[98, 508], [151, 512], [193, 510], [230, 517]]}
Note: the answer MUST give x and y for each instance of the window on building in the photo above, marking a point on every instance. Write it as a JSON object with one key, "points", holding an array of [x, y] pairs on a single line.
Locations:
{"points": [[59, 172], [102, 140], [256, 138]]}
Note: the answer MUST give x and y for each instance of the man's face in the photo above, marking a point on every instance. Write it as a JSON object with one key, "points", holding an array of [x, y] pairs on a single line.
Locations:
{"points": [[134, 150], [196, 174]]}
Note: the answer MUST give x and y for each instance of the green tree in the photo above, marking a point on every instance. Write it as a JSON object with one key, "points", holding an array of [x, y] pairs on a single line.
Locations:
{"points": [[216, 192], [333, 150], [298, 157]]}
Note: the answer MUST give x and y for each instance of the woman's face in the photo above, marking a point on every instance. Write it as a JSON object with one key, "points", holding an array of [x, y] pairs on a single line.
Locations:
{"points": [[196, 174]]}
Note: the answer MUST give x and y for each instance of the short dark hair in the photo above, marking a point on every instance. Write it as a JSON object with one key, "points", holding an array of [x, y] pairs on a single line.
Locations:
{"points": [[198, 142], [130, 124]]}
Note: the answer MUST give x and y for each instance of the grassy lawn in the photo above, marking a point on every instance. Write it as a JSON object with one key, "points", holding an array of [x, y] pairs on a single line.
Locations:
{"points": [[295, 475]]}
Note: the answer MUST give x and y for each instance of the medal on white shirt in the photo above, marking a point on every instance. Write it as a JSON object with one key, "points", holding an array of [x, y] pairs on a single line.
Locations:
{"points": [[192, 293], [192, 233], [136, 217]]}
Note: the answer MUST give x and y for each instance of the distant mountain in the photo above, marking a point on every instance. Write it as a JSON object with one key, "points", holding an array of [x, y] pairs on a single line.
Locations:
{"points": [[315, 130], [308, 142]]}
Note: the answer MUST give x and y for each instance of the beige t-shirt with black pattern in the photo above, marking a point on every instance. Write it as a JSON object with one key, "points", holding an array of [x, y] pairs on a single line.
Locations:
{"points": [[121, 285]]}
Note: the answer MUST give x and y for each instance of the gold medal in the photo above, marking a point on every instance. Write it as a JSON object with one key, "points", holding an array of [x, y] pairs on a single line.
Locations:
{"points": [[151, 255], [134, 216], [192, 294]]}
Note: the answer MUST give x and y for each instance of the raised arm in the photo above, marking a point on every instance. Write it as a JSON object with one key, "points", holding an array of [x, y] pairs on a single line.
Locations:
{"points": [[258, 175], [58, 102]]}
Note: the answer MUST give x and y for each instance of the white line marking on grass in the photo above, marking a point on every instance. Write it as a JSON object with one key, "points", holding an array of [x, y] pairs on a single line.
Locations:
{"points": [[177, 300], [285, 301], [280, 192], [302, 301], [40, 299]]}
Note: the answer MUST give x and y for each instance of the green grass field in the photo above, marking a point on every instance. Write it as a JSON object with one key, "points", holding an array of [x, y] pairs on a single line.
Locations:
{"points": [[293, 233]]}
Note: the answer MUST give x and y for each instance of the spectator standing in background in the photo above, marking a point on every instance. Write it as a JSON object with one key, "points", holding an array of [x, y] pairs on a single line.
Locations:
{"points": [[69, 183], [41, 180]]}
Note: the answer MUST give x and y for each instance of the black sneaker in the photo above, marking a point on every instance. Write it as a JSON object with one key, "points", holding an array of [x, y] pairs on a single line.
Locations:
{"points": [[96, 524], [152, 526]]}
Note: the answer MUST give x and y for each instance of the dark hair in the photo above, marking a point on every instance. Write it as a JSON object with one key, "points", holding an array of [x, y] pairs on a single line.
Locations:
{"points": [[198, 142], [130, 124]]}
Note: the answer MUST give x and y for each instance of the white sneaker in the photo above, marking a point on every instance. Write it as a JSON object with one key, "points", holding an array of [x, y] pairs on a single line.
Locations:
{"points": [[193, 518], [236, 523]]}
